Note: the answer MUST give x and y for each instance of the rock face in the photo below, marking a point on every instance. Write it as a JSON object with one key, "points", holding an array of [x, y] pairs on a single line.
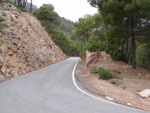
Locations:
{"points": [[24, 45], [94, 58]]}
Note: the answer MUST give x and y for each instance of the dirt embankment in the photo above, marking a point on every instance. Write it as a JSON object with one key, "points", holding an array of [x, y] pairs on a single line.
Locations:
{"points": [[123, 87], [24, 44]]}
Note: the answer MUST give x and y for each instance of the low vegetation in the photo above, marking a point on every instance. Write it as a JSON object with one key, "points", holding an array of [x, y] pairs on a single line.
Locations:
{"points": [[93, 70], [1, 19], [104, 74], [115, 82], [2, 25]]}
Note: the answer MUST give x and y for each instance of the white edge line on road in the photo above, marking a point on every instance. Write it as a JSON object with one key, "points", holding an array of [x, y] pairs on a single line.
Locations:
{"points": [[97, 98]]}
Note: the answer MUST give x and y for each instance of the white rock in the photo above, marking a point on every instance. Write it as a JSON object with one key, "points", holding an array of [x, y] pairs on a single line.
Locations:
{"points": [[129, 104], [14, 74], [145, 93], [109, 98]]}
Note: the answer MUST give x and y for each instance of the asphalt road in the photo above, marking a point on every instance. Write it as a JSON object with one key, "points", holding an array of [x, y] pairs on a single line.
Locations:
{"points": [[51, 90]]}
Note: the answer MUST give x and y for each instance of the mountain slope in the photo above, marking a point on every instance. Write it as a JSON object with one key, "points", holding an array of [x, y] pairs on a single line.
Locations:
{"points": [[24, 45]]}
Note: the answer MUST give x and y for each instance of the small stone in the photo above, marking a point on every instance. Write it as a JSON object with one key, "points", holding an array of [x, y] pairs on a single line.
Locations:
{"points": [[109, 98], [14, 74], [129, 104]]}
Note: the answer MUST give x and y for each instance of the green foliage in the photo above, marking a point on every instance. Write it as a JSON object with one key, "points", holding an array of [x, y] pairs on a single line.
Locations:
{"points": [[9, 1], [104, 74], [56, 26], [93, 70], [62, 41], [2, 26], [115, 82], [48, 17], [67, 26], [1, 42], [95, 45], [83, 54], [115, 53], [127, 23], [143, 53], [84, 27], [1, 19]]}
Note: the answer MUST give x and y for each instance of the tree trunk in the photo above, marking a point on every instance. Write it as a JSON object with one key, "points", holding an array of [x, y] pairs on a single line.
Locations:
{"points": [[127, 48], [31, 6], [123, 44], [133, 45], [19, 3], [15, 2], [24, 3], [128, 56]]}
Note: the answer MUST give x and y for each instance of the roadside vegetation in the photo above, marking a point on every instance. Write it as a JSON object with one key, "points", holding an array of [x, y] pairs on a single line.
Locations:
{"points": [[121, 28], [2, 25], [102, 72], [57, 29]]}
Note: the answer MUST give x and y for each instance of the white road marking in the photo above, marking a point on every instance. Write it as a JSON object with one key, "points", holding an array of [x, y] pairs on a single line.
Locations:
{"points": [[90, 95]]}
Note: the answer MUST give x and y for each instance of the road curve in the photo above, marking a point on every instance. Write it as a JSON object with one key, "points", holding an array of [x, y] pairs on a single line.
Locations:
{"points": [[51, 90]]}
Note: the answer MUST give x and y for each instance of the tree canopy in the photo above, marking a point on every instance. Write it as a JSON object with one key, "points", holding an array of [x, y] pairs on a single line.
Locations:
{"points": [[128, 22]]}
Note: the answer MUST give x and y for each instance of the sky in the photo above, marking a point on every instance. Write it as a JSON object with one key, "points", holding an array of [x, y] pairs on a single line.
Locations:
{"points": [[70, 9]]}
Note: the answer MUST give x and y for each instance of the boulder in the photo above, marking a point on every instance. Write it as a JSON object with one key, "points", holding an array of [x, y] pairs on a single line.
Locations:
{"points": [[145, 93]]}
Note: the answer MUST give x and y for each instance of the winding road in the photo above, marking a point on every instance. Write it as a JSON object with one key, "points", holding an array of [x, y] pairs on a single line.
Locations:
{"points": [[51, 90]]}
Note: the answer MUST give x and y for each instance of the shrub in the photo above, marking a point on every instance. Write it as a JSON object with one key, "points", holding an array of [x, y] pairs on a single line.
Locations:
{"points": [[104, 74], [1, 42], [115, 82], [94, 46], [83, 54], [115, 53], [2, 26], [1, 19], [93, 70]]}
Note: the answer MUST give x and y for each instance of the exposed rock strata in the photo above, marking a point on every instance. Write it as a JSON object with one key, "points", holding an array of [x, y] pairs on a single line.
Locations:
{"points": [[24, 45]]}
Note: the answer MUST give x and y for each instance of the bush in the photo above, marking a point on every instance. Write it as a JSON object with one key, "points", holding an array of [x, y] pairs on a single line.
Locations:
{"points": [[2, 26], [93, 70], [104, 74], [94, 46], [83, 54], [115, 82], [115, 53], [1, 19]]}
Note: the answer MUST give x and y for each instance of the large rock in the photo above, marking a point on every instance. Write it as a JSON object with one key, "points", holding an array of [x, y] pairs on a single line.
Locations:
{"points": [[25, 45], [145, 93], [95, 57]]}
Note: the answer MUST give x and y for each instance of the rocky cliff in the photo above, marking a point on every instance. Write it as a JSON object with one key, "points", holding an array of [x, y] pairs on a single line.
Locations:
{"points": [[24, 45]]}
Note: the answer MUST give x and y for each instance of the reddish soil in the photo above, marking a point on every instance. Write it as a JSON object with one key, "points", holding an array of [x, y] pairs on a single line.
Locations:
{"points": [[128, 82]]}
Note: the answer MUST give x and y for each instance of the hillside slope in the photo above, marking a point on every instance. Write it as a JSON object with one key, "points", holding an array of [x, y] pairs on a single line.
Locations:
{"points": [[24, 45]]}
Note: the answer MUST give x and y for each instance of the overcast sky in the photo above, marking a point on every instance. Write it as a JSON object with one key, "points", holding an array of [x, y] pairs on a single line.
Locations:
{"points": [[70, 9]]}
